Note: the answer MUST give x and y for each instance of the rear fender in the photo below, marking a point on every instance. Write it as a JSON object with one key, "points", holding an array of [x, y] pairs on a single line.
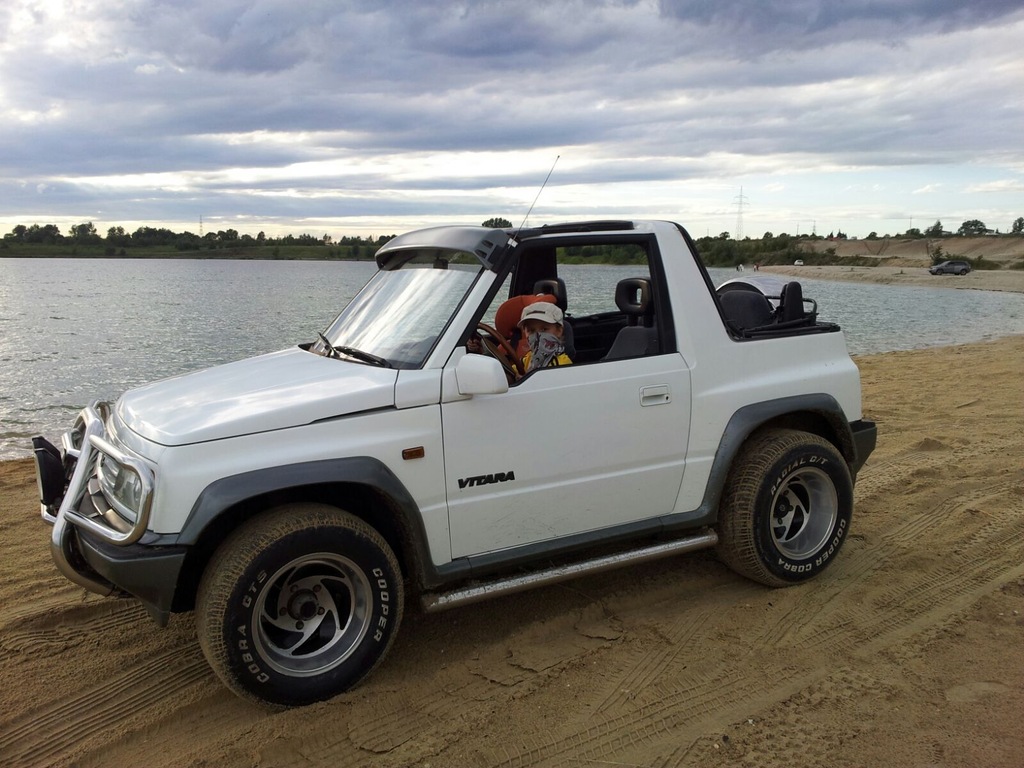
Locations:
{"points": [[820, 414]]}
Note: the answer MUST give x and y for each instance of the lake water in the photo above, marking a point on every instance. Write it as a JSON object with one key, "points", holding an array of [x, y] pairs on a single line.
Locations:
{"points": [[76, 330]]}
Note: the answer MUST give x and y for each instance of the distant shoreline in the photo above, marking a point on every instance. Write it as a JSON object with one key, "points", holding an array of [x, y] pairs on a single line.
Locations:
{"points": [[1010, 280], [298, 253], [910, 270]]}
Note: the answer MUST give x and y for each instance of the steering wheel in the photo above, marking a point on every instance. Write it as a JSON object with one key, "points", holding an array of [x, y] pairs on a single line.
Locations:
{"points": [[498, 347]]}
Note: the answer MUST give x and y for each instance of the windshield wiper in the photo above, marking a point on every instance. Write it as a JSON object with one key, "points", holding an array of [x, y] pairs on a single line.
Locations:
{"points": [[328, 347], [366, 357]]}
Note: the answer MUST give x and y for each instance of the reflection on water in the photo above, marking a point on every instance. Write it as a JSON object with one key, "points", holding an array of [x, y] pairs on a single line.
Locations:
{"points": [[76, 330], [883, 318]]}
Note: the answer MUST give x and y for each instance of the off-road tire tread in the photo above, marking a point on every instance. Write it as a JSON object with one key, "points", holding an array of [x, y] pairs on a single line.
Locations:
{"points": [[238, 550], [737, 547]]}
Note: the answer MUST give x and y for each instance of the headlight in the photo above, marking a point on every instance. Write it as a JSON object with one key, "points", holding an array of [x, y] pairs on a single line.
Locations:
{"points": [[122, 487]]}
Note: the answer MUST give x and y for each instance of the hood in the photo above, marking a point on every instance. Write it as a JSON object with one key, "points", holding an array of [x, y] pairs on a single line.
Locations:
{"points": [[283, 389]]}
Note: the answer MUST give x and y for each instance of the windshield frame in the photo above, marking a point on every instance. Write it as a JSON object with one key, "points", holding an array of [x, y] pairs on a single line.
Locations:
{"points": [[404, 310], [490, 247]]}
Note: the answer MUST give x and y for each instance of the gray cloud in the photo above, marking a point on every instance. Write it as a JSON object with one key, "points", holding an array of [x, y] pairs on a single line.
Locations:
{"points": [[664, 92]]}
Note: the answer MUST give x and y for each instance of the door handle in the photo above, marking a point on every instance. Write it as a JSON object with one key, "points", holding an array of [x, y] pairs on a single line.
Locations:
{"points": [[657, 394]]}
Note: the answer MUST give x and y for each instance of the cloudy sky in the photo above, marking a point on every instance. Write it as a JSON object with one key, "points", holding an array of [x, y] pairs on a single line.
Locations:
{"points": [[378, 116]]}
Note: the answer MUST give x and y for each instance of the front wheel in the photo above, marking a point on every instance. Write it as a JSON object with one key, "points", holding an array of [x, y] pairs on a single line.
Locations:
{"points": [[786, 509], [299, 604]]}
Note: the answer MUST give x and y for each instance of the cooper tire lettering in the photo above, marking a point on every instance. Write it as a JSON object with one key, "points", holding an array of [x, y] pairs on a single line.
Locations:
{"points": [[299, 604], [786, 508]]}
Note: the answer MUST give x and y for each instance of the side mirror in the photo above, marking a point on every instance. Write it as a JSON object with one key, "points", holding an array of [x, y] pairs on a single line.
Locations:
{"points": [[480, 375]]}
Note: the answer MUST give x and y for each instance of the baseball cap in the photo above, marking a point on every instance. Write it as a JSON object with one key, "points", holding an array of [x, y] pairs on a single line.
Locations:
{"points": [[542, 310]]}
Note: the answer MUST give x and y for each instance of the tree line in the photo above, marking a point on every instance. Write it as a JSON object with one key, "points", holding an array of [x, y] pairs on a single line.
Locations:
{"points": [[118, 241], [721, 250], [970, 228]]}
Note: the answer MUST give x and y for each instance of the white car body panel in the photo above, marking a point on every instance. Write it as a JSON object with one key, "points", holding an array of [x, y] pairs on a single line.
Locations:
{"points": [[589, 447], [381, 435], [262, 394], [728, 374]]}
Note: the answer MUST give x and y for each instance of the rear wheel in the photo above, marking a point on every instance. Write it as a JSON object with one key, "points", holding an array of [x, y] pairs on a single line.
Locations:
{"points": [[786, 509], [299, 604]]}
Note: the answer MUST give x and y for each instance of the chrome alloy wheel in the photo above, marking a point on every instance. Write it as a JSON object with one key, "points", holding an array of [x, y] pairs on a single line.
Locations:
{"points": [[804, 513], [312, 614]]}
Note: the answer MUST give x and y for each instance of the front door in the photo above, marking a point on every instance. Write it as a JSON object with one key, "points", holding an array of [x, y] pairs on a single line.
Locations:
{"points": [[565, 451]]}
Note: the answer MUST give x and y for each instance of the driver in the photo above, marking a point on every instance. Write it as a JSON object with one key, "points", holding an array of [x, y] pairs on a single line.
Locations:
{"points": [[541, 324]]}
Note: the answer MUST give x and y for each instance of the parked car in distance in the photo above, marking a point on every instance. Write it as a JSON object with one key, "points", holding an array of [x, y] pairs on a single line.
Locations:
{"points": [[950, 268], [798, 263]]}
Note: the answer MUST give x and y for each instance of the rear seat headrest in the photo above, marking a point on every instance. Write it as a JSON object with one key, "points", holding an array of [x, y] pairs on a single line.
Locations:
{"points": [[554, 286], [633, 296]]}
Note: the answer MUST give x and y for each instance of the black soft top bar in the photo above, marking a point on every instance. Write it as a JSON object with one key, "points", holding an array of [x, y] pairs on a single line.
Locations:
{"points": [[606, 225]]}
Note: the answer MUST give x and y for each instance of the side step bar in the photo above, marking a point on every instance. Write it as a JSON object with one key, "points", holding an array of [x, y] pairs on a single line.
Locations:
{"points": [[433, 602]]}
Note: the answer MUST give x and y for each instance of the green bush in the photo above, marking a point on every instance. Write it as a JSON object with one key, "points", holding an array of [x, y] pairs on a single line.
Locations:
{"points": [[981, 263]]}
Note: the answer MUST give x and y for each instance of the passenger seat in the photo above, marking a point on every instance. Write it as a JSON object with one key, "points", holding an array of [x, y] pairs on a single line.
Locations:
{"points": [[639, 338]]}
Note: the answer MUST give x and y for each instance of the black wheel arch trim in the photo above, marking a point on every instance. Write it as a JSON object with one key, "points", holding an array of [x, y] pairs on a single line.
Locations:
{"points": [[865, 437], [402, 517], [819, 413]]}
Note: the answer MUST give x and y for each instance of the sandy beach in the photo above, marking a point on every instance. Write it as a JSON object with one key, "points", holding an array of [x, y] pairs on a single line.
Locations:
{"points": [[908, 652], [982, 280]]}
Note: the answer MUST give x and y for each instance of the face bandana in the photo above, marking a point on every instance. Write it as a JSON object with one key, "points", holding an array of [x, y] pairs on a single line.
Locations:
{"points": [[544, 347]]}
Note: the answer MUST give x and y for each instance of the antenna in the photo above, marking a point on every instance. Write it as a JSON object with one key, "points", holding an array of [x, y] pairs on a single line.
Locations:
{"points": [[527, 216]]}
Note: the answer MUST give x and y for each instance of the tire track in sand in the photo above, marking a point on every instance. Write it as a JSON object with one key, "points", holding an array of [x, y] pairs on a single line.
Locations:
{"points": [[57, 624], [825, 613], [819, 627], [640, 673], [67, 727]]}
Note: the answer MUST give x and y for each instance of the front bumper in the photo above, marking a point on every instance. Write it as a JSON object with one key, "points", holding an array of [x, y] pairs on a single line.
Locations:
{"points": [[147, 573], [91, 544]]}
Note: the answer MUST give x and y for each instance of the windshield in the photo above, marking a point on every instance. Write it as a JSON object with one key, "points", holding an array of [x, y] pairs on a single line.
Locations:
{"points": [[399, 315]]}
